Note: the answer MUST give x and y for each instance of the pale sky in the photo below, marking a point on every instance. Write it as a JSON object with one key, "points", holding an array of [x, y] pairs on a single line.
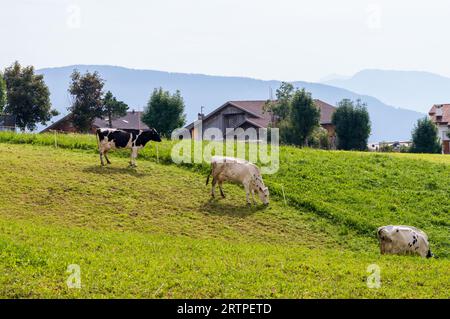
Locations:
{"points": [[283, 39]]}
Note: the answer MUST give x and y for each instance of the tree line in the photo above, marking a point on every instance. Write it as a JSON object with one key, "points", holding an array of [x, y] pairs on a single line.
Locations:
{"points": [[297, 117], [25, 95]]}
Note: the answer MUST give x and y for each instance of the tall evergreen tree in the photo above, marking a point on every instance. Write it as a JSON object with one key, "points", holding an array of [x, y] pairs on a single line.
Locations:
{"points": [[2, 93], [112, 108], [304, 118], [352, 123], [425, 137]]}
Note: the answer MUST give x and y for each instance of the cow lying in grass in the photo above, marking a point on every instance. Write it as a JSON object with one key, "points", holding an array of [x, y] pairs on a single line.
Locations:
{"points": [[109, 138], [403, 240], [238, 171]]}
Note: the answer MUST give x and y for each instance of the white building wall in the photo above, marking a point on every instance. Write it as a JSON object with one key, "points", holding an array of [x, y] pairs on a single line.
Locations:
{"points": [[443, 130]]}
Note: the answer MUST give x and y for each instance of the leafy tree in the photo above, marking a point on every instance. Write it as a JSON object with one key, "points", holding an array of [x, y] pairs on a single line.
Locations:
{"points": [[295, 113], [112, 108], [28, 97], [352, 122], [425, 137], [281, 107], [164, 111], [87, 92], [304, 117], [2, 93]]}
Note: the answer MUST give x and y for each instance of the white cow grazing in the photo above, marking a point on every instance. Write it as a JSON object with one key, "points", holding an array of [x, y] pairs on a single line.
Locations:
{"points": [[403, 240], [238, 171]]}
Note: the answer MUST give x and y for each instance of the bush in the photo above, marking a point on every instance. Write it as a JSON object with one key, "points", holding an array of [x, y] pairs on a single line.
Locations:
{"points": [[319, 139], [425, 137]]}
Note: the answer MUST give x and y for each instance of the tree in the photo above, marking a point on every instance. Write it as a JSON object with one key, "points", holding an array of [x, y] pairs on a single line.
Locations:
{"points": [[164, 112], [2, 93], [352, 123], [28, 97], [304, 117], [112, 108], [295, 114], [281, 107], [425, 137], [87, 92]]}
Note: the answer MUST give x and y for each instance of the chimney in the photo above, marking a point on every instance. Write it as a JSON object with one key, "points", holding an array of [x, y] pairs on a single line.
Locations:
{"points": [[201, 116]]}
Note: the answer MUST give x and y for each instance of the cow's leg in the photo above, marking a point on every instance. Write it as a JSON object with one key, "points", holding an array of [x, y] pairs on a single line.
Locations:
{"points": [[133, 156], [106, 157], [213, 187], [101, 152], [101, 158], [247, 192], [252, 191], [221, 190]]}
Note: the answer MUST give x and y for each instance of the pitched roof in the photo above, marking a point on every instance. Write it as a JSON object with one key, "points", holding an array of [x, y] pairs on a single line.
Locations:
{"points": [[262, 119], [326, 111], [129, 121], [445, 116]]}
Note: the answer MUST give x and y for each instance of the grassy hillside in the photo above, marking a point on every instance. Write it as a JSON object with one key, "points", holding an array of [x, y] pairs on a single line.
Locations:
{"points": [[154, 232]]}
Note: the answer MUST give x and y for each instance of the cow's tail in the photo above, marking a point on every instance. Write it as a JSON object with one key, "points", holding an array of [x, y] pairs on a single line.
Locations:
{"points": [[97, 135]]}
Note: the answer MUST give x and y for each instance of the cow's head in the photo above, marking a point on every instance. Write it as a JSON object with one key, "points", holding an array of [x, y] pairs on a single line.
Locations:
{"points": [[263, 191], [152, 135], [383, 235]]}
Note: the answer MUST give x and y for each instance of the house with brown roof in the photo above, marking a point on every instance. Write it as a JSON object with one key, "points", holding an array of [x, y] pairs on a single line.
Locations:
{"points": [[245, 114], [130, 121], [440, 115]]}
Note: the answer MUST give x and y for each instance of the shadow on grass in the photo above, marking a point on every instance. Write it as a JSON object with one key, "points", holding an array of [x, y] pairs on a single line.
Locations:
{"points": [[222, 207], [108, 170]]}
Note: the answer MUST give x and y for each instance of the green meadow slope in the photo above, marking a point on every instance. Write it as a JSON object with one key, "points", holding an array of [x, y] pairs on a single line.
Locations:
{"points": [[154, 232]]}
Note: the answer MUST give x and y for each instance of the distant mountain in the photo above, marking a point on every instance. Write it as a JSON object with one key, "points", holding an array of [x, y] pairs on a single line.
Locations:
{"points": [[135, 86], [412, 90]]}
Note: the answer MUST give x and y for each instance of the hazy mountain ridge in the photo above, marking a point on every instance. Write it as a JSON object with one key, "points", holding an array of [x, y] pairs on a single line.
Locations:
{"points": [[415, 90], [135, 87]]}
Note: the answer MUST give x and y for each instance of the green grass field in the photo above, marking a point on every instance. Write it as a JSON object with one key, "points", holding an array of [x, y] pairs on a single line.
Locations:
{"points": [[153, 232]]}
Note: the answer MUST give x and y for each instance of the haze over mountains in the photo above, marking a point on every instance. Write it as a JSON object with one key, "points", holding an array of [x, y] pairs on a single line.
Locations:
{"points": [[413, 90], [135, 87]]}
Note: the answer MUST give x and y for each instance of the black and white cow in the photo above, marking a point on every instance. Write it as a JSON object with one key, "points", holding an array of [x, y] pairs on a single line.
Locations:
{"points": [[109, 138], [403, 240]]}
